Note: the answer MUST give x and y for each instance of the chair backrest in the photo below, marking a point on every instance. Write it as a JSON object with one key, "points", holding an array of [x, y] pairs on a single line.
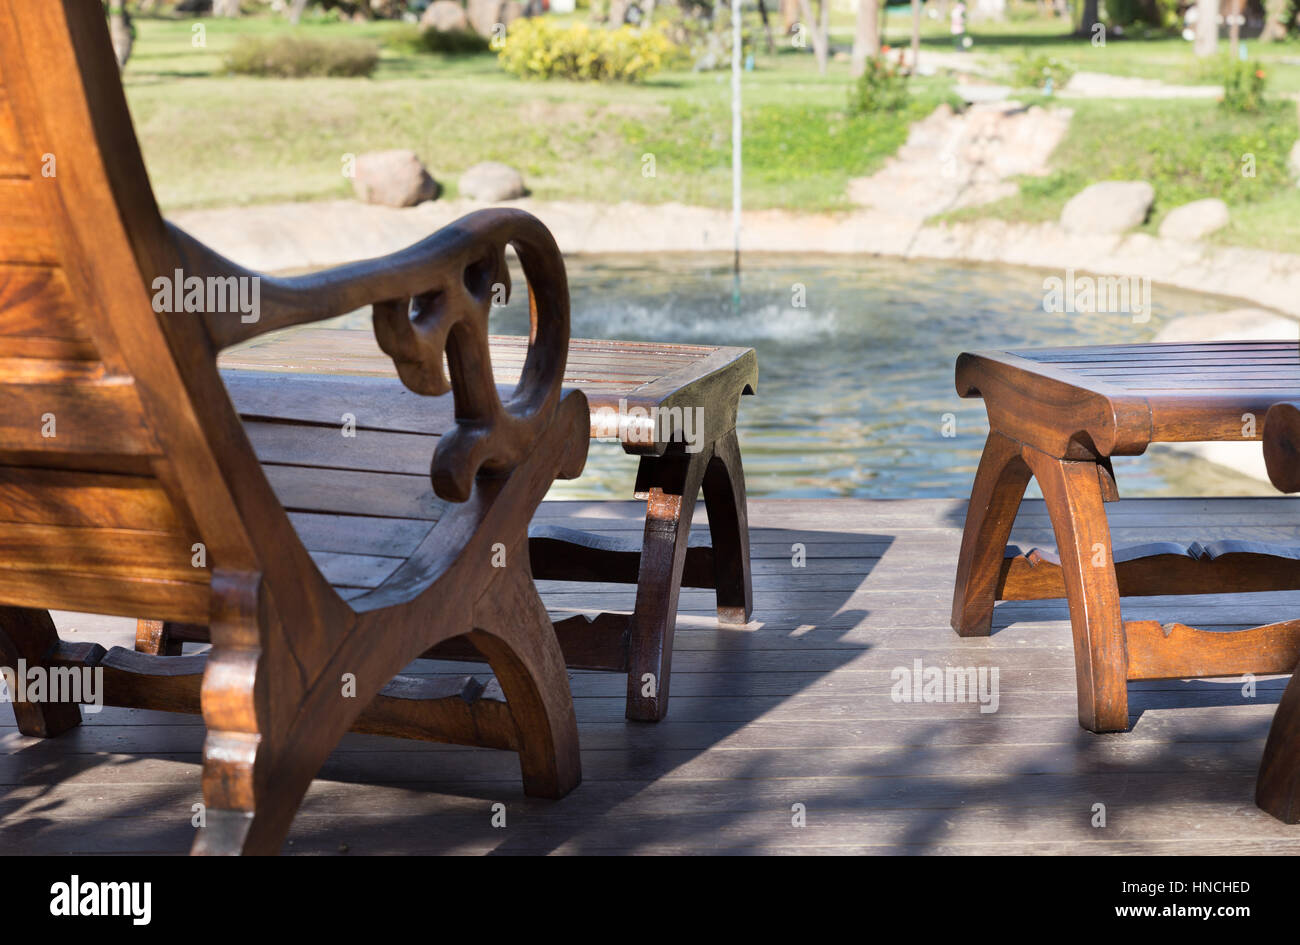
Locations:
{"points": [[120, 453]]}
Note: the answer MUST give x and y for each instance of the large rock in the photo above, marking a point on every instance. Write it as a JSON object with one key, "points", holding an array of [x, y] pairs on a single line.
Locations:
{"points": [[484, 15], [393, 178], [1112, 206], [491, 181], [445, 16], [1195, 220]]}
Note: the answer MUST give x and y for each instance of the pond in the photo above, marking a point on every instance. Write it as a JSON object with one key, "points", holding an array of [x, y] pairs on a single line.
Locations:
{"points": [[856, 359]]}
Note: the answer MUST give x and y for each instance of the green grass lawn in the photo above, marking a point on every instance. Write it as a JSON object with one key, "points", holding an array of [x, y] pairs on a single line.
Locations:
{"points": [[1187, 150], [213, 140], [1142, 53]]}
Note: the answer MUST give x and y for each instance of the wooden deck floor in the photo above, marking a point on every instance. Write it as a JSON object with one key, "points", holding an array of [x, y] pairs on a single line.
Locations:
{"points": [[794, 710]]}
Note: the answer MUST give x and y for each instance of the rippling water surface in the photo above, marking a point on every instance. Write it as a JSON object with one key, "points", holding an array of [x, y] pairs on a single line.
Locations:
{"points": [[855, 384]]}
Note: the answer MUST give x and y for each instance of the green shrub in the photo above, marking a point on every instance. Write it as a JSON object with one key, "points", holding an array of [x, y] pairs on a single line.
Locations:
{"points": [[410, 40], [881, 88], [1243, 86], [537, 48], [1035, 70], [1157, 13], [405, 38], [455, 42], [294, 57]]}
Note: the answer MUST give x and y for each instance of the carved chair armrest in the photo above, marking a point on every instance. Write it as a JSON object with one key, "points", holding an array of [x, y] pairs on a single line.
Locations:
{"points": [[429, 299]]}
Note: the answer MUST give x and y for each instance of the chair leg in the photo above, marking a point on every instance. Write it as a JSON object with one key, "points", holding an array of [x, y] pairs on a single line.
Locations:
{"points": [[29, 636], [995, 499], [671, 484], [1072, 490], [724, 497], [515, 634], [264, 743], [154, 636], [1277, 789]]}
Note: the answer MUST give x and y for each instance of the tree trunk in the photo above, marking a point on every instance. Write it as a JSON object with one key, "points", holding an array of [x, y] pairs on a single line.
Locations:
{"points": [[916, 36], [1236, 15], [225, 7], [866, 38], [820, 33], [1091, 17], [789, 14], [767, 27], [1207, 27], [295, 11], [119, 29]]}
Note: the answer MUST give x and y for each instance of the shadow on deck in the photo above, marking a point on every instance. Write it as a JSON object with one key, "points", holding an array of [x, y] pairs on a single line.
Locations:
{"points": [[798, 715]]}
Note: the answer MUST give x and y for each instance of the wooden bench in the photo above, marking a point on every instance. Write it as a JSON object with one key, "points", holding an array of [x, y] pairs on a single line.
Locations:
{"points": [[673, 406], [1059, 415], [129, 484]]}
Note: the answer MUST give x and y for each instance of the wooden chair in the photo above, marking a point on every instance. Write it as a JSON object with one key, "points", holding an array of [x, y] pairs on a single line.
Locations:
{"points": [[672, 406], [128, 484], [1059, 415]]}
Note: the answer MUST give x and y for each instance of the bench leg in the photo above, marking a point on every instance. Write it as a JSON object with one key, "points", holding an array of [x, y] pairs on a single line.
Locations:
{"points": [[1277, 789], [1072, 490], [724, 497], [516, 637], [29, 635], [155, 637], [995, 498], [671, 484]]}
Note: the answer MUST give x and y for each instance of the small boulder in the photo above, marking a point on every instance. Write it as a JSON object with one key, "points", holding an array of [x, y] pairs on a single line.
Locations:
{"points": [[484, 15], [393, 178], [445, 16], [1195, 220], [1112, 206], [491, 181]]}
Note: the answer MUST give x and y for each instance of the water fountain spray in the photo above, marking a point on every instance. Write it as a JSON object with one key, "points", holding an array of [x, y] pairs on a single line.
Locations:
{"points": [[735, 147]]}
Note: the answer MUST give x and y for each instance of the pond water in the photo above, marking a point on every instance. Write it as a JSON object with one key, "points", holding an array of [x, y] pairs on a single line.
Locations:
{"points": [[855, 382]]}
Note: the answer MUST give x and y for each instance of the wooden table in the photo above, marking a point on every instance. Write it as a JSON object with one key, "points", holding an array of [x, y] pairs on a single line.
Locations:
{"points": [[1059, 415], [674, 406]]}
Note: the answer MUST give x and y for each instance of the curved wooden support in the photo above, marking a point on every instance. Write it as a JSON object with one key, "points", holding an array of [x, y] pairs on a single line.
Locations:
{"points": [[724, 497], [513, 631], [995, 498], [1277, 788], [1162, 568], [598, 642], [1281, 435], [1044, 406], [1176, 651], [1073, 494], [28, 639]]}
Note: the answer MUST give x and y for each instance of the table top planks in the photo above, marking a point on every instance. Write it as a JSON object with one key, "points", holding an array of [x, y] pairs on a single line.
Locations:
{"points": [[604, 370], [1121, 398], [636, 391], [795, 709]]}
